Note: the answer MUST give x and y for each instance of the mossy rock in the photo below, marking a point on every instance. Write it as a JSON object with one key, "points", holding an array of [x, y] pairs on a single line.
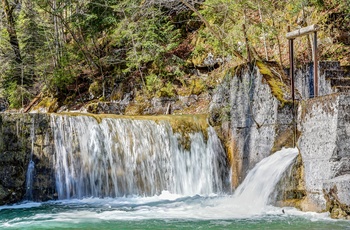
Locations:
{"points": [[95, 89], [137, 106], [198, 86], [286, 138], [167, 91], [118, 93], [337, 209], [92, 107], [135, 109], [276, 81], [48, 104]]}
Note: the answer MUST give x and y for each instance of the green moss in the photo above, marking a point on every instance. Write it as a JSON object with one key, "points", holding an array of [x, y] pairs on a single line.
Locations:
{"points": [[137, 106], [180, 123], [69, 99], [167, 91], [334, 206], [95, 89], [136, 109], [198, 86], [48, 103], [277, 83], [264, 70], [117, 94], [153, 83], [92, 108]]}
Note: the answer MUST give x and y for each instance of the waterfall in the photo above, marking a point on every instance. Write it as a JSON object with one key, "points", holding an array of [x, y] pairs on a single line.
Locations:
{"points": [[31, 166], [255, 190], [29, 180], [122, 157]]}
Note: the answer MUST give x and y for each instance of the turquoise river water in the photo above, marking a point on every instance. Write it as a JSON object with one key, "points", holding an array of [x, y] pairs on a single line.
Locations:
{"points": [[165, 211]]}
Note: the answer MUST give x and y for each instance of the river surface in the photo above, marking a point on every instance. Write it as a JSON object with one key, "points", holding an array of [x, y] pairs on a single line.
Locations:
{"points": [[166, 211]]}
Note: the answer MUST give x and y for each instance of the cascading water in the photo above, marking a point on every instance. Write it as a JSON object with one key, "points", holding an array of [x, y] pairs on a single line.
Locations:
{"points": [[29, 180], [253, 194], [31, 166], [121, 157]]}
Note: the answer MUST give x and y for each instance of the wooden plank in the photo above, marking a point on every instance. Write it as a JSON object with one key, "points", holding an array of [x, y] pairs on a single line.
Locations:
{"points": [[32, 103], [302, 31]]}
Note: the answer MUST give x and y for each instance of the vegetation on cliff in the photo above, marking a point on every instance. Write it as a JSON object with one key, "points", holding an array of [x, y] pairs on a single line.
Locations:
{"points": [[109, 50]]}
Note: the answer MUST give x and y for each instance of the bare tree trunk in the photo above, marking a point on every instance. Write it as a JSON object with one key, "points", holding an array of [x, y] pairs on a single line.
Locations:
{"points": [[278, 44], [263, 32], [57, 35], [12, 30]]}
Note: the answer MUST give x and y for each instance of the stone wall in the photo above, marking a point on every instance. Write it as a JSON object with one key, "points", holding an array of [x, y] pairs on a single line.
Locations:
{"points": [[304, 82], [325, 150], [16, 144]]}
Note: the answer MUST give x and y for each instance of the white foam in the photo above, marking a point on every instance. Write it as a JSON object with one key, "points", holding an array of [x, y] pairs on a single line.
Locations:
{"points": [[201, 208], [220, 210], [24, 205]]}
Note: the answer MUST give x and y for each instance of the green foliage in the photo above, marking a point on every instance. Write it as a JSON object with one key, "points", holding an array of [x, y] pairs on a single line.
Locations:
{"points": [[31, 40], [63, 76], [61, 79], [153, 83], [67, 44], [167, 91], [149, 38], [96, 16], [17, 95]]}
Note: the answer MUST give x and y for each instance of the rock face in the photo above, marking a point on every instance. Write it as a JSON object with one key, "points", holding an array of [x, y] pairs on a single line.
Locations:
{"points": [[325, 150], [17, 147], [250, 117]]}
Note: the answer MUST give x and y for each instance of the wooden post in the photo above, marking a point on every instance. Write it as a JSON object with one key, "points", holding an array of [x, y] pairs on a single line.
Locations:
{"points": [[316, 83], [291, 70], [291, 74]]}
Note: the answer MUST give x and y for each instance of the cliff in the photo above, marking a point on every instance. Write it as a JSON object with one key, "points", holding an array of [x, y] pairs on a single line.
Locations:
{"points": [[25, 136]]}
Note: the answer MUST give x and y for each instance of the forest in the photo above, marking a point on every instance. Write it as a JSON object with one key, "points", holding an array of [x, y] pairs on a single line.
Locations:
{"points": [[80, 51]]}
